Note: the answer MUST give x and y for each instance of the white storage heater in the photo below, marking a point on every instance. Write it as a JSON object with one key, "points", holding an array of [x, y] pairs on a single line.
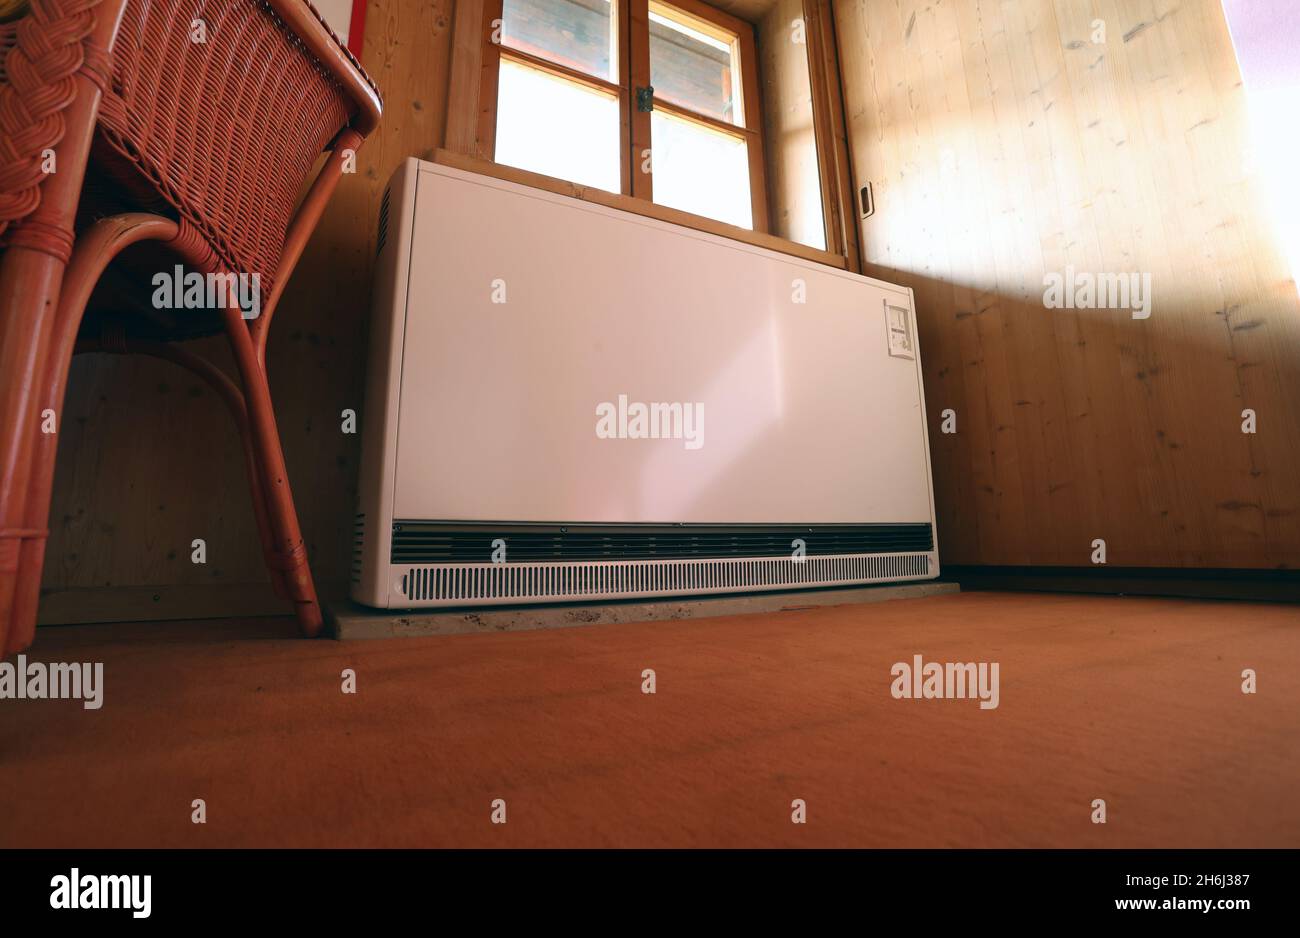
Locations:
{"points": [[569, 402]]}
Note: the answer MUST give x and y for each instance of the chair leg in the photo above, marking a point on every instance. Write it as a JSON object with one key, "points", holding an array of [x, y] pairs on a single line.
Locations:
{"points": [[30, 283], [290, 555], [29, 289], [265, 533], [30, 504], [31, 558]]}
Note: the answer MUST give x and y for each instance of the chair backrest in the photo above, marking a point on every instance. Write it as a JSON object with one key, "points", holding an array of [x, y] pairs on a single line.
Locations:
{"points": [[220, 115], [224, 116]]}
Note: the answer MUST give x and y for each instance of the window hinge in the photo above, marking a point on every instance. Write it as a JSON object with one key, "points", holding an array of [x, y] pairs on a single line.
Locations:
{"points": [[645, 99]]}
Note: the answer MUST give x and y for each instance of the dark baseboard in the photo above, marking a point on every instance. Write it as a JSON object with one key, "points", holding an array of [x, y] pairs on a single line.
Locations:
{"points": [[1259, 585], [93, 605]]}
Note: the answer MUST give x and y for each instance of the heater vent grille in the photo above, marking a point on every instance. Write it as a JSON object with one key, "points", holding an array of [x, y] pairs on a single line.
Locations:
{"points": [[358, 539], [427, 542], [382, 238], [505, 582]]}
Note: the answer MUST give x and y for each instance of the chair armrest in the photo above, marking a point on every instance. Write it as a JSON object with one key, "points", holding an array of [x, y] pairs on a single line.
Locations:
{"points": [[301, 17]]}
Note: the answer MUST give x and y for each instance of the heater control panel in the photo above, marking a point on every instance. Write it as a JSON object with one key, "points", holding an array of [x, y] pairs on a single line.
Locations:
{"points": [[898, 327]]}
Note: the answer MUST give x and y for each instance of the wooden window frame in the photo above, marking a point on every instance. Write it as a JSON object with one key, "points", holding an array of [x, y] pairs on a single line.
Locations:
{"points": [[752, 129], [471, 119], [840, 211]]}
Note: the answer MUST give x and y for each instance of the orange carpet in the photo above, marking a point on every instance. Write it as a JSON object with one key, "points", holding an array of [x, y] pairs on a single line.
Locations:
{"points": [[1135, 701]]}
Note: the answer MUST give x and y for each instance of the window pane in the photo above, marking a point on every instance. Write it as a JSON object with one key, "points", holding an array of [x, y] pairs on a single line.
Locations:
{"points": [[701, 170], [576, 33], [692, 66], [557, 127], [794, 184]]}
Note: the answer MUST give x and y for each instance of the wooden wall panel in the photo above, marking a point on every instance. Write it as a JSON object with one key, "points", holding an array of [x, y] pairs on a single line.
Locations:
{"points": [[1004, 143], [150, 460]]}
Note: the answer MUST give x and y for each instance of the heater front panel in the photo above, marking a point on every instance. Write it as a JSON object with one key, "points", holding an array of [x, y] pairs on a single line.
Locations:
{"points": [[569, 402], [530, 315]]}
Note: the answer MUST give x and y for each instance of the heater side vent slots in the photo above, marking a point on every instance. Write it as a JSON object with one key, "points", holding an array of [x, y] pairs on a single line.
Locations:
{"points": [[382, 236]]}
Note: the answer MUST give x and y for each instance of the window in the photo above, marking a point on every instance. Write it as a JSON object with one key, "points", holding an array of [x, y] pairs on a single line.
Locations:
{"points": [[700, 156], [650, 99], [726, 122], [550, 124]]}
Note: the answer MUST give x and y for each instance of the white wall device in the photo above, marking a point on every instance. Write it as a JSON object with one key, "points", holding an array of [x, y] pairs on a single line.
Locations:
{"points": [[569, 402]]}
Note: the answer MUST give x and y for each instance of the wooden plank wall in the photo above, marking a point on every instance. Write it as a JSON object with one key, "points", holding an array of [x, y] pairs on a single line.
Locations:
{"points": [[150, 460], [1004, 143]]}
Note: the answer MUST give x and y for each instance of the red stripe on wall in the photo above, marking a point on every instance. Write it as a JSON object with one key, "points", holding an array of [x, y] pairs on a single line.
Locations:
{"points": [[357, 28]]}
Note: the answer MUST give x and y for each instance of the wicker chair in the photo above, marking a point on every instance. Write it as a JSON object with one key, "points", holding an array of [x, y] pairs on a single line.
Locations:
{"points": [[142, 134]]}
